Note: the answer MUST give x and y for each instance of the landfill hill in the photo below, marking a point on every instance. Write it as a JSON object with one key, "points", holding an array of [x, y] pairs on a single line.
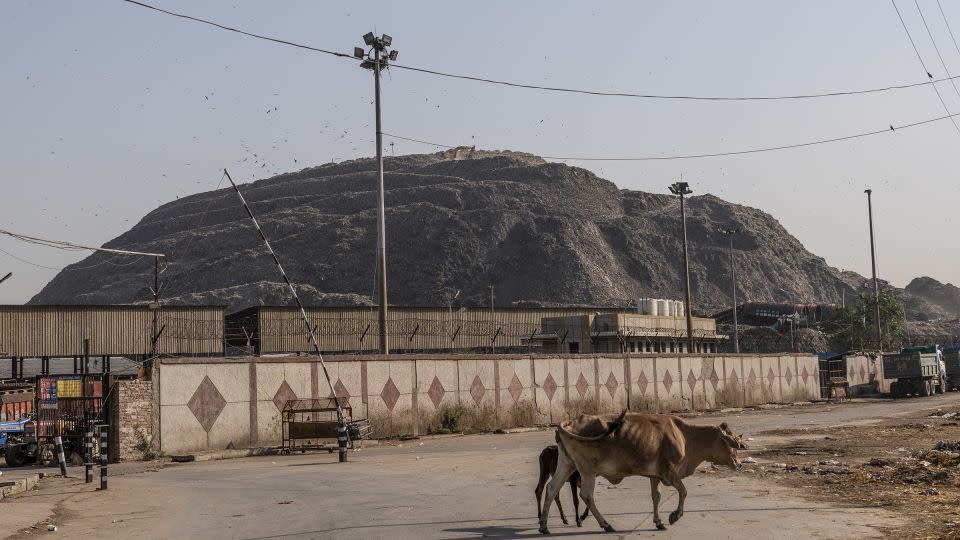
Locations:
{"points": [[543, 234]]}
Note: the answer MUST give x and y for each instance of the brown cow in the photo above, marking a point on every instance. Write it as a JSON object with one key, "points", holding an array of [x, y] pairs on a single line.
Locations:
{"points": [[548, 464], [661, 447]]}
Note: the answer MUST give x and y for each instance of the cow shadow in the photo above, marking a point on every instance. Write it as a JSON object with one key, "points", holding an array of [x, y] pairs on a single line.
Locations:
{"points": [[500, 531]]}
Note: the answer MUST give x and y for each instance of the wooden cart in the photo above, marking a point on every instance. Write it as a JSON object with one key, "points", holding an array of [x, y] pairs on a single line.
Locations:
{"points": [[311, 424]]}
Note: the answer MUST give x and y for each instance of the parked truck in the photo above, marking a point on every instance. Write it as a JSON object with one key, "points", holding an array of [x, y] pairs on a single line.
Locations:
{"points": [[951, 359], [915, 373]]}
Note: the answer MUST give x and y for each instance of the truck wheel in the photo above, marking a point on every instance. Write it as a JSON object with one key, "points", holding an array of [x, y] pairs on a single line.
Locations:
{"points": [[943, 387], [926, 388], [16, 456]]}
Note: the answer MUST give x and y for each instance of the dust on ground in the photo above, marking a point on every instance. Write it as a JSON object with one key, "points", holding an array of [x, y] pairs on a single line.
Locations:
{"points": [[908, 466]]}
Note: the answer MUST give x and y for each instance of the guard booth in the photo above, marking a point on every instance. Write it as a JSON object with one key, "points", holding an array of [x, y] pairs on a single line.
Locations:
{"points": [[833, 377]]}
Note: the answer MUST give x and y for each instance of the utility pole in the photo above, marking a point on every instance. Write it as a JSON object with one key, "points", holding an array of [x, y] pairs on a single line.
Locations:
{"points": [[6, 277], [379, 61], [155, 306], [681, 189], [873, 263], [493, 347], [733, 278]]}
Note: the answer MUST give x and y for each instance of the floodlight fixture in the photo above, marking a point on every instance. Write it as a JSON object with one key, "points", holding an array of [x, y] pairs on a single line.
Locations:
{"points": [[680, 188], [386, 40], [358, 52], [369, 38], [393, 55]]}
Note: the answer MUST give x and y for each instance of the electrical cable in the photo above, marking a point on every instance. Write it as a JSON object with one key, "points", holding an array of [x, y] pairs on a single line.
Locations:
{"points": [[716, 154], [237, 30], [949, 29], [59, 244], [935, 47], [31, 263], [836, 93], [923, 64]]}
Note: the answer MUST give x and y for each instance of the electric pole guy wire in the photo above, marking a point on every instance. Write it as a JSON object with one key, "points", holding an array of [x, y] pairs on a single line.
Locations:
{"points": [[303, 312]]}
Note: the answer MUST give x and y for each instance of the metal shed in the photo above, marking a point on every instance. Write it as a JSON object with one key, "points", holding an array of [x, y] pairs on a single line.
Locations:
{"points": [[276, 329], [112, 330]]}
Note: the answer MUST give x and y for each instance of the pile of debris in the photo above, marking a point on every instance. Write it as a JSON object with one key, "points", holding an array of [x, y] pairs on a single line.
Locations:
{"points": [[940, 465]]}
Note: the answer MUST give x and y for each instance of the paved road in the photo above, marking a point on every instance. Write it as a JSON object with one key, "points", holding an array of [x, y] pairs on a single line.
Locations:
{"points": [[461, 487]]}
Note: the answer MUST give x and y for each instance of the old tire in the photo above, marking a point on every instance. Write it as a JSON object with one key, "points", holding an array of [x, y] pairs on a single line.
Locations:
{"points": [[896, 389], [16, 456], [926, 388]]}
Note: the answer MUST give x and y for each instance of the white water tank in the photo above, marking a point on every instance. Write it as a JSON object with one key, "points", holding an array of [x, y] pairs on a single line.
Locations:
{"points": [[663, 309], [649, 306], [680, 309]]}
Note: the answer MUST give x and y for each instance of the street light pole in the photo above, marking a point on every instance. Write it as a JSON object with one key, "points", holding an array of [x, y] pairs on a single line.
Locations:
{"points": [[873, 263], [379, 47], [681, 189], [733, 278]]}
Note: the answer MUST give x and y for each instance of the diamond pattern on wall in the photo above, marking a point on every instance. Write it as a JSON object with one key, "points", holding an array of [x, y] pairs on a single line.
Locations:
{"points": [[436, 391], [612, 384], [691, 380], [283, 395], [805, 375], [667, 381], [549, 386], [734, 380], [477, 390], [714, 378], [788, 376], [515, 388], [863, 375], [582, 385], [771, 376], [341, 390], [207, 403], [390, 394], [642, 382], [752, 378]]}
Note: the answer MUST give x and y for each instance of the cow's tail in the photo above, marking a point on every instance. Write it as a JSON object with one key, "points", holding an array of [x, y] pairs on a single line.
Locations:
{"points": [[611, 429]]}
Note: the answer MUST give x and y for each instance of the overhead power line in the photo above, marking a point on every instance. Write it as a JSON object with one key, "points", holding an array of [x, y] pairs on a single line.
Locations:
{"points": [[936, 48], [237, 30], [949, 29], [786, 97], [890, 129], [581, 91], [922, 63], [59, 244]]}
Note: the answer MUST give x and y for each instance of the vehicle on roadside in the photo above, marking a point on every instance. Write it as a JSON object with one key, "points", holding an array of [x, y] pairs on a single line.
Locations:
{"points": [[917, 371], [951, 360], [65, 406], [18, 442]]}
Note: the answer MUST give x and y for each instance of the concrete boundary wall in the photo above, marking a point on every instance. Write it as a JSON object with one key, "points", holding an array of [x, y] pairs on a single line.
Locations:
{"points": [[214, 404]]}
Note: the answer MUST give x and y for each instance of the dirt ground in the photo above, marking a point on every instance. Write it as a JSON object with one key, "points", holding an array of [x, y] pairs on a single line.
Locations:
{"points": [[910, 466]]}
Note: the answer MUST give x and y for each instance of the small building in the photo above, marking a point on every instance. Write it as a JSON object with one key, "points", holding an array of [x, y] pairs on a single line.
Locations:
{"points": [[626, 333]]}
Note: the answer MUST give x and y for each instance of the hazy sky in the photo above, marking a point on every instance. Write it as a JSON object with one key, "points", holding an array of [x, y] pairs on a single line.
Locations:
{"points": [[112, 109]]}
